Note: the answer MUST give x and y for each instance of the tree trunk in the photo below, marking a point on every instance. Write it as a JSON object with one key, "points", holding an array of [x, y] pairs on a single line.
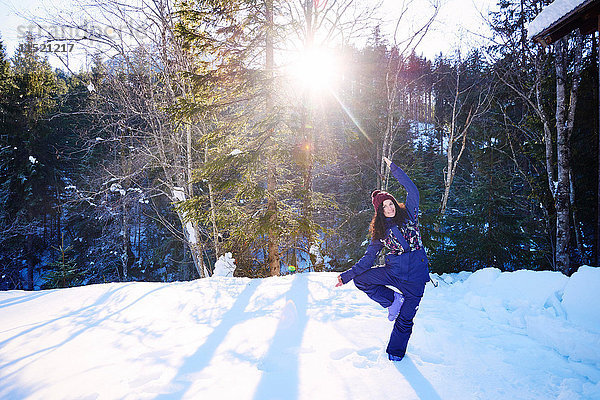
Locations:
{"points": [[273, 231], [452, 160], [30, 261], [577, 55], [213, 213], [562, 191], [386, 147], [307, 137], [444, 202], [191, 234], [391, 84], [565, 196], [575, 215], [192, 226], [125, 241], [213, 218], [546, 124]]}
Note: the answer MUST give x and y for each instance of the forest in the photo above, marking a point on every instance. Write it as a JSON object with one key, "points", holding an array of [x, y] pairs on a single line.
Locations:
{"points": [[257, 128]]}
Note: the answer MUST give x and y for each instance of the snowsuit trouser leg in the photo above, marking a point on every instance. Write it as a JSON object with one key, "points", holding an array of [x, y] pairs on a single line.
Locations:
{"points": [[373, 282], [413, 293]]}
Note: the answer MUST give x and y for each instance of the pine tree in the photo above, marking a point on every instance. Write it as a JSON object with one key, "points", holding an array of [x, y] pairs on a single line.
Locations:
{"points": [[64, 271], [29, 173]]}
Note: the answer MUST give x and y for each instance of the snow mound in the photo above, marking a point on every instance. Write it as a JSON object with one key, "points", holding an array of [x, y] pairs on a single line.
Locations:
{"points": [[482, 279], [581, 299], [225, 265], [518, 289], [558, 312]]}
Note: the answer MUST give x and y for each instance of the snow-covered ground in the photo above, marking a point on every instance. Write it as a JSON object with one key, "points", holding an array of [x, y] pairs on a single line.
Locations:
{"points": [[487, 335]]}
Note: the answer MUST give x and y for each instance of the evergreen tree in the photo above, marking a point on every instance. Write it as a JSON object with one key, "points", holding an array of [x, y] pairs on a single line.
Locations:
{"points": [[31, 169]]}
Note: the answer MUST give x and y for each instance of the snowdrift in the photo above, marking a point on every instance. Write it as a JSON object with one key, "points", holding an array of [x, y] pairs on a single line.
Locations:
{"points": [[485, 335]]}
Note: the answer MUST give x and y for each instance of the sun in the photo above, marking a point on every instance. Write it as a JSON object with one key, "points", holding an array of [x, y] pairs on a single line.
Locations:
{"points": [[316, 69]]}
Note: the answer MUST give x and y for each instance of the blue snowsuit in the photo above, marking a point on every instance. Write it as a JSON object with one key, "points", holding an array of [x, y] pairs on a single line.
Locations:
{"points": [[405, 267]]}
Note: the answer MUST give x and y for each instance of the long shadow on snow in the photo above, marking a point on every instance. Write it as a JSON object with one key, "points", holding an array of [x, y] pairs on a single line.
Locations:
{"points": [[82, 311], [280, 366], [201, 358], [88, 320], [23, 299], [418, 382]]}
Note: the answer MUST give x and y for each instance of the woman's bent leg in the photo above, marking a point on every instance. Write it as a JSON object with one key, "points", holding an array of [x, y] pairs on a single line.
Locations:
{"points": [[373, 282]]}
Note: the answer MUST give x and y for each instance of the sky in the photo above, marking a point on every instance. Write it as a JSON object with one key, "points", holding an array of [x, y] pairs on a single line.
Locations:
{"points": [[458, 24], [11, 24]]}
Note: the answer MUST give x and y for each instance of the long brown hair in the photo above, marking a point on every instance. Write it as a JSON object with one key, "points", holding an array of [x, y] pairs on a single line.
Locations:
{"points": [[377, 227]]}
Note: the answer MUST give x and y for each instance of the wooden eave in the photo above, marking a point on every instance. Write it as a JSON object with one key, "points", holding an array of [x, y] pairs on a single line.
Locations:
{"points": [[584, 17]]}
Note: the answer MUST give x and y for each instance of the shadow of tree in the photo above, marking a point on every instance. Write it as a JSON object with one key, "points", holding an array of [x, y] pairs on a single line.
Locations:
{"points": [[87, 321], [23, 299], [82, 311], [86, 318], [280, 378], [201, 358]]}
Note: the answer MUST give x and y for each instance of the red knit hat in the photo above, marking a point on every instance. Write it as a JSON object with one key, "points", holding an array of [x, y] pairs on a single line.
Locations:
{"points": [[379, 196]]}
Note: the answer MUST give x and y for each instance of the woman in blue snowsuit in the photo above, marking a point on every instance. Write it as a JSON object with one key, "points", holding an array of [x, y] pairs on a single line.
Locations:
{"points": [[395, 227]]}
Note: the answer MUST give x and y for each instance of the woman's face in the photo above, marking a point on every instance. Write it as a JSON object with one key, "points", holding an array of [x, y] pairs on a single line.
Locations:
{"points": [[389, 210]]}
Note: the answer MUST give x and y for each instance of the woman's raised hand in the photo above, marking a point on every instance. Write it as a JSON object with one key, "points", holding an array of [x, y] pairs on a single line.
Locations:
{"points": [[339, 282], [387, 161]]}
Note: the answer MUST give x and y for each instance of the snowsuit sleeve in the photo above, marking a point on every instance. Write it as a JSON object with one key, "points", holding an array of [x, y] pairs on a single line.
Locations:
{"points": [[412, 197], [364, 263]]}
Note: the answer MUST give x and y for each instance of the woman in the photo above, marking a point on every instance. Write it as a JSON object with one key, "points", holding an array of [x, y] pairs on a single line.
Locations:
{"points": [[395, 227]]}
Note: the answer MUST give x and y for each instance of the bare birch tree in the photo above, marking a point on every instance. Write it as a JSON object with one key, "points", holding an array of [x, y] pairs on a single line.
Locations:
{"points": [[565, 116], [147, 48], [456, 132], [404, 44], [557, 166]]}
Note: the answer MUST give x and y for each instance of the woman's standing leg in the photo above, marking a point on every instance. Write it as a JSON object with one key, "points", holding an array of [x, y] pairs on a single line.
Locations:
{"points": [[413, 293]]}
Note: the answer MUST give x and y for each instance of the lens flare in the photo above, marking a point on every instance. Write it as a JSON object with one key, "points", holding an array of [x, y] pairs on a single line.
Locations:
{"points": [[316, 69]]}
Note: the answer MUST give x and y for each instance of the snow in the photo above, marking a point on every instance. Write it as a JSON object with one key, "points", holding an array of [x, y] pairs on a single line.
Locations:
{"points": [[115, 187], [178, 193], [580, 300], [224, 266], [551, 14], [482, 335]]}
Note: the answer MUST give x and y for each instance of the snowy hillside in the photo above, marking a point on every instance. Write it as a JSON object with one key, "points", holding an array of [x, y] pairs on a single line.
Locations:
{"points": [[487, 335]]}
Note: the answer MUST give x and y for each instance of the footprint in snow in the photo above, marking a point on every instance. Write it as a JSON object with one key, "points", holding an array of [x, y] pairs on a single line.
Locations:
{"points": [[362, 358], [430, 358], [370, 353]]}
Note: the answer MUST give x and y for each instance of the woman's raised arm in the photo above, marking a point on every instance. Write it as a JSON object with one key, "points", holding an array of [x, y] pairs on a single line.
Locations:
{"points": [[412, 193]]}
